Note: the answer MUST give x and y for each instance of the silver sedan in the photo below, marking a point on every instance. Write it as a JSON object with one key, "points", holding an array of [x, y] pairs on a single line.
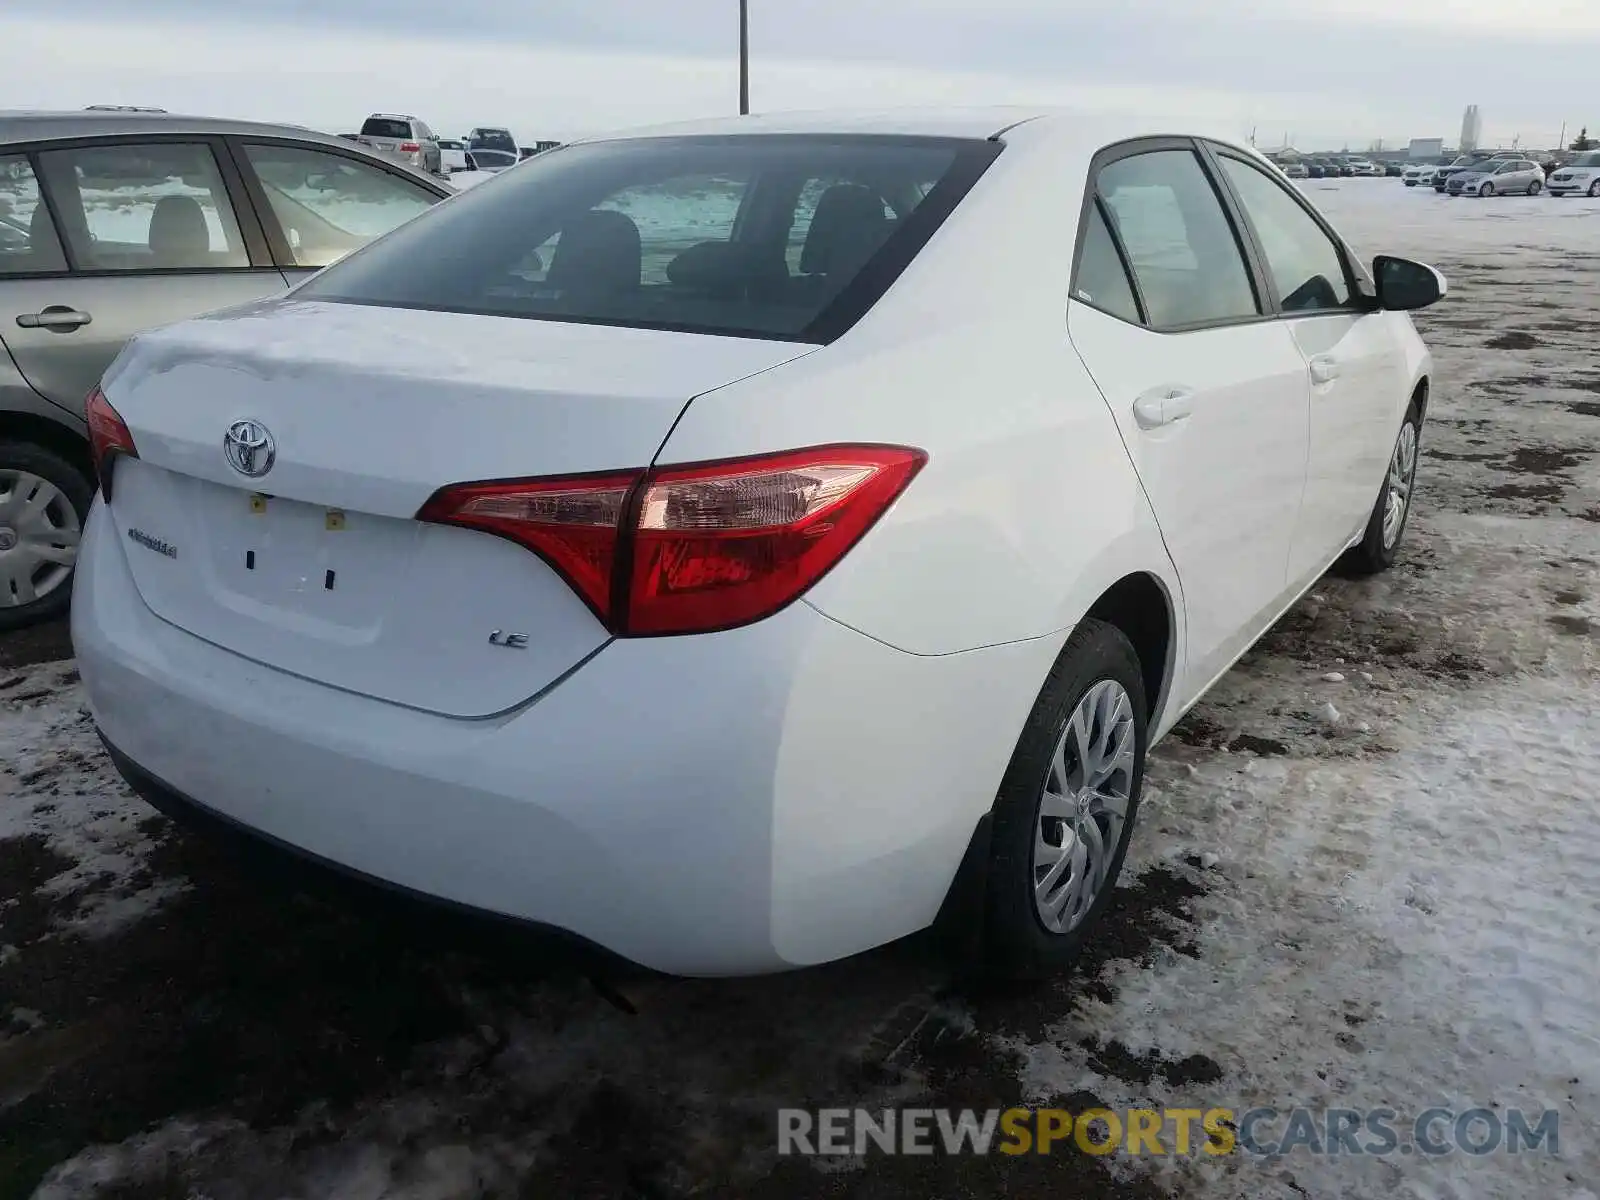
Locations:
{"points": [[1511, 176]]}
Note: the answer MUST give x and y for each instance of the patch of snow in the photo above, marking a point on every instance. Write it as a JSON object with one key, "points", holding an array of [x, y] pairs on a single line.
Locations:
{"points": [[1443, 918], [58, 784]]}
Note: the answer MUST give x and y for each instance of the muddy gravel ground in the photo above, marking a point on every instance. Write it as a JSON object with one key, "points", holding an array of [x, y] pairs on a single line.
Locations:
{"points": [[1367, 872]]}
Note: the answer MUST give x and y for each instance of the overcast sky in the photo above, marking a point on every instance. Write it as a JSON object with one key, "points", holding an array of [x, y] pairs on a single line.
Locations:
{"points": [[1325, 72]]}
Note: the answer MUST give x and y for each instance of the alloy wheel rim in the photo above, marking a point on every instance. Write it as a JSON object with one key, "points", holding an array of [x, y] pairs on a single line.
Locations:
{"points": [[1083, 807], [1397, 498], [39, 534]]}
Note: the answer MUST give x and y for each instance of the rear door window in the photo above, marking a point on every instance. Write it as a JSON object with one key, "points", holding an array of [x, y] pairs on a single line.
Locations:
{"points": [[1181, 246], [329, 204], [787, 237], [144, 207], [28, 242]]}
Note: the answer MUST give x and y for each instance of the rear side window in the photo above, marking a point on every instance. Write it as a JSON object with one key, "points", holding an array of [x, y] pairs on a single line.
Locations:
{"points": [[789, 237], [144, 207], [1102, 280], [1183, 251], [381, 127], [28, 240]]}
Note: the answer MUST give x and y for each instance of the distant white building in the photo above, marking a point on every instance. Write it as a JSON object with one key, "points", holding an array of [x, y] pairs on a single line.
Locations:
{"points": [[1425, 148], [1471, 129]]}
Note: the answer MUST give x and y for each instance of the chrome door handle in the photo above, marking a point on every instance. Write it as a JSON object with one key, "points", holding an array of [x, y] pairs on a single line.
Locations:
{"points": [[1163, 406], [55, 317], [1324, 369]]}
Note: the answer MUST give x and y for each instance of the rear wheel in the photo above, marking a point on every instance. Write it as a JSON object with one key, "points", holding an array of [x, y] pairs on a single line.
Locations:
{"points": [[43, 503], [1066, 808], [1533, 187], [1379, 547]]}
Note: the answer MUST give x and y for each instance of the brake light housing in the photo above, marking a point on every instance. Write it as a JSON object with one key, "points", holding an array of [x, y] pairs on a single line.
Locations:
{"points": [[409, 147], [697, 547], [109, 438]]}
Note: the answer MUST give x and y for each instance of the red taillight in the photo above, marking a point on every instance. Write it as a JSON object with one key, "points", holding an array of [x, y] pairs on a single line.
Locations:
{"points": [[725, 544], [409, 147], [108, 438], [691, 549], [571, 523]]}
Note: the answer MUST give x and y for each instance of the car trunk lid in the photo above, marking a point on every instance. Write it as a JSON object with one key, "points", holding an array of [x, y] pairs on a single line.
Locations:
{"points": [[317, 566]]}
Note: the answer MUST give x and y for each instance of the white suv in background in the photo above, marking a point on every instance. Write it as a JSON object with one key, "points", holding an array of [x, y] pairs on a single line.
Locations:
{"points": [[1581, 175]]}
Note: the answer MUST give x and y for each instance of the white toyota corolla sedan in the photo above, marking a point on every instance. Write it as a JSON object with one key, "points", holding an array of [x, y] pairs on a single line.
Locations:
{"points": [[740, 545]]}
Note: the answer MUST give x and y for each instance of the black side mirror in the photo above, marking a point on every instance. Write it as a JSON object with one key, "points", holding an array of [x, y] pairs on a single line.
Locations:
{"points": [[1404, 285]]}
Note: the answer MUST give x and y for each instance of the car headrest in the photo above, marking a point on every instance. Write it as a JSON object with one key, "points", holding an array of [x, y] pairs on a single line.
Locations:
{"points": [[847, 228], [721, 269], [598, 252], [178, 229]]}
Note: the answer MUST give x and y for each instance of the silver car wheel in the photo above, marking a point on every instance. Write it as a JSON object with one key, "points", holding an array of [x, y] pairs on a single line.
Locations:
{"points": [[1083, 807], [1402, 470], [39, 533]]}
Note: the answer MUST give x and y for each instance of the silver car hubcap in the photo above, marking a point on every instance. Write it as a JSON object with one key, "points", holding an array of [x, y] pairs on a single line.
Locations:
{"points": [[39, 534], [1397, 499], [1084, 807]]}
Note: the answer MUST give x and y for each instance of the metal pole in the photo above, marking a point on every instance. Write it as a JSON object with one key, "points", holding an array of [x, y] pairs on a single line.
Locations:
{"points": [[744, 58]]}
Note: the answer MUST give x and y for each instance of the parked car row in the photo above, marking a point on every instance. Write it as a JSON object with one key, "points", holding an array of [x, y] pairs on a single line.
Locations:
{"points": [[115, 222], [408, 138], [1510, 172], [1331, 168]]}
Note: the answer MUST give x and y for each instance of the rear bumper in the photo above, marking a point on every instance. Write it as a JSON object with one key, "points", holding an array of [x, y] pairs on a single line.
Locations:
{"points": [[755, 800]]}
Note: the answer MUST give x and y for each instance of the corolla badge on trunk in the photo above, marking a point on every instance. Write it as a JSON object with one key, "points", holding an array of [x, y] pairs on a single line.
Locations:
{"points": [[249, 448]]}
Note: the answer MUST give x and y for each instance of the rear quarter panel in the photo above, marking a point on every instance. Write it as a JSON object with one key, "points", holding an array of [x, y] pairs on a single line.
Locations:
{"points": [[1028, 507]]}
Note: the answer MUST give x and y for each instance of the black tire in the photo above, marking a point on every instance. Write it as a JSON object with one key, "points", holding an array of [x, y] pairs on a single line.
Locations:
{"points": [[1016, 943], [1372, 555], [1594, 190], [78, 491], [1533, 188], [1485, 190]]}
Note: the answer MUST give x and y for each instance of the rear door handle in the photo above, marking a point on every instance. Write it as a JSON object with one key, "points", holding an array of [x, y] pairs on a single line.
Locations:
{"points": [[56, 317], [1163, 406], [1324, 369]]}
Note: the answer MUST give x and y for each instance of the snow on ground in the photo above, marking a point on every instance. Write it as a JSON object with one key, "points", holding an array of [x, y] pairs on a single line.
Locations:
{"points": [[1367, 873]]}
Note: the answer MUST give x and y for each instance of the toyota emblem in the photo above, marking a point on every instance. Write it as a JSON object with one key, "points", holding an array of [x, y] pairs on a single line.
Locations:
{"points": [[249, 448]]}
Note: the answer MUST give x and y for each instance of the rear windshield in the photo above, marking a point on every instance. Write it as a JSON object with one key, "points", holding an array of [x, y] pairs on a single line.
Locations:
{"points": [[380, 128], [784, 237], [492, 158], [492, 139]]}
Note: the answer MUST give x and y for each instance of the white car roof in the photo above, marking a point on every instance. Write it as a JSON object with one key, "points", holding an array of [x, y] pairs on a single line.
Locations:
{"points": [[1067, 130]]}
